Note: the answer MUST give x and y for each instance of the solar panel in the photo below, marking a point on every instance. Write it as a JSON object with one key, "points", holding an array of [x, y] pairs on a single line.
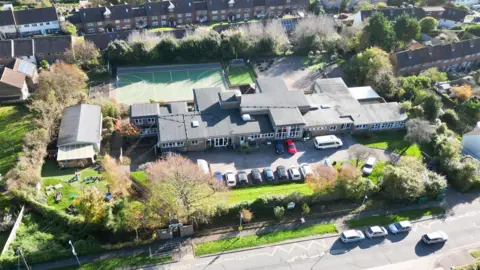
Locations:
{"points": [[26, 68], [289, 25]]}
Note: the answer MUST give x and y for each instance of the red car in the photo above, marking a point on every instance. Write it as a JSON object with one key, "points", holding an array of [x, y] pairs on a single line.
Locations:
{"points": [[290, 146]]}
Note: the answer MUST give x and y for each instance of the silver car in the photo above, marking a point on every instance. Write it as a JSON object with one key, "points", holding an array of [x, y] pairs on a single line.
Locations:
{"points": [[399, 227], [351, 236], [435, 237], [376, 231], [294, 173]]}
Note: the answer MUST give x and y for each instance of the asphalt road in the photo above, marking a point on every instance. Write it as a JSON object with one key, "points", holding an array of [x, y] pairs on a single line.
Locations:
{"points": [[462, 227]]}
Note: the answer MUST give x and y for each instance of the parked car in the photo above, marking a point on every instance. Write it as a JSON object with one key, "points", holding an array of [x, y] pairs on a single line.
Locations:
{"points": [[399, 227], [376, 231], [268, 174], [368, 166], [230, 179], [282, 173], [351, 236], [327, 141], [242, 177], [256, 176], [306, 170], [291, 148], [435, 237], [279, 147], [294, 173], [218, 176]]}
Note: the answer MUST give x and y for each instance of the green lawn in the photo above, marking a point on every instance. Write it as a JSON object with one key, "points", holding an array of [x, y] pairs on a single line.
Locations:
{"points": [[125, 262], [251, 193], [261, 239], [160, 29], [140, 177], [383, 220], [377, 172], [241, 75], [15, 122], [317, 62], [392, 141]]}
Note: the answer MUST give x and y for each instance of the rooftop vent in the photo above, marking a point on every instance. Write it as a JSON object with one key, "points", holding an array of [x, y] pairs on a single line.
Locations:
{"points": [[246, 117], [195, 123], [325, 106]]}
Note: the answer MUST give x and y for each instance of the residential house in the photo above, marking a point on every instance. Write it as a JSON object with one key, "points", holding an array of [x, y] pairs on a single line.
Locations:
{"points": [[80, 135], [38, 21], [451, 17], [228, 118], [230, 10], [459, 56], [464, 2], [26, 68], [145, 116], [7, 23], [259, 8], [52, 48], [102, 40], [283, 7], [471, 142], [108, 19], [13, 85], [200, 11]]}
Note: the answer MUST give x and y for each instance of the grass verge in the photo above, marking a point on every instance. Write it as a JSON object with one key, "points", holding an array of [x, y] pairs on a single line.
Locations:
{"points": [[383, 220], [140, 177], [261, 239], [123, 262], [391, 141], [241, 75], [317, 62]]}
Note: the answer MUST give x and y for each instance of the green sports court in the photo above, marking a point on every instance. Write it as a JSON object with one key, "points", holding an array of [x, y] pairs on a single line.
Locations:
{"points": [[165, 83]]}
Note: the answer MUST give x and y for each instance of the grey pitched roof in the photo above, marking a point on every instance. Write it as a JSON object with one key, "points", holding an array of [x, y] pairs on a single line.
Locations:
{"points": [[242, 4], [7, 18], [200, 5], [121, 12], [6, 48], [286, 116], [392, 13], [217, 4], [81, 123], [157, 8], [258, 3], [183, 6], [271, 84], [24, 47], [36, 15], [144, 109], [101, 41], [453, 14], [177, 107], [53, 44], [139, 11], [94, 14], [275, 3]]}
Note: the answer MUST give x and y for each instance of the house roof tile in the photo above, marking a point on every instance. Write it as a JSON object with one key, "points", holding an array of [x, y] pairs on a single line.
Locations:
{"points": [[36, 15], [7, 18]]}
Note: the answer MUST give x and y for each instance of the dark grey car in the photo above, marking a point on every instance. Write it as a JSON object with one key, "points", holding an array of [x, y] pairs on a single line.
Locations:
{"points": [[242, 178], [268, 173], [256, 176], [282, 173]]}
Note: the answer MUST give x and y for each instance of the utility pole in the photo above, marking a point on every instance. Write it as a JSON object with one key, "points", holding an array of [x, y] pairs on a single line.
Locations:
{"points": [[73, 251], [24, 260], [364, 199]]}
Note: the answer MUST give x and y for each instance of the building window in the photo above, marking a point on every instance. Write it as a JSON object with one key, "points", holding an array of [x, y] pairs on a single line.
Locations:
{"points": [[154, 17], [223, 17], [188, 14], [154, 23], [247, 10], [47, 23], [246, 15], [150, 120], [239, 10], [89, 24], [281, 133], [179, 15], [280, 7], [215, 18], [295, 131], [345, 126], [41, 24], [333, 128], [27, 25], [57, 53], [189, 20], [173, 144], [118, 27], [194, 142], [180, 21], [34, 24], [164, 16], [224, 11], [138, 121], [358, 127], [214, 12], [163, 23], [238, 16], [91, 30], [100, 23], [117, 21]]}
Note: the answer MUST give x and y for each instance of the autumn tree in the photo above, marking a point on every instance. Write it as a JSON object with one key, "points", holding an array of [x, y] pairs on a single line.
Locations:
{"points": [[405, 181], [323, 177], [68, 28], [462, 92], [133, 216], [127, 129], [83, 54], [246, 215], [311, 32], [91, 205], [435, 75], [181, 190], [359, 152], [118, 180]]}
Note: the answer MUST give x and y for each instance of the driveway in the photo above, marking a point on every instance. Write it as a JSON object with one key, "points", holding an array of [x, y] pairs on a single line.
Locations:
{"points": [[225, 159]]}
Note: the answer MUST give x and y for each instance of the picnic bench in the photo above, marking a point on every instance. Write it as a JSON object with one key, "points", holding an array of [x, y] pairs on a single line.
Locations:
{"points": [[58, 197]]}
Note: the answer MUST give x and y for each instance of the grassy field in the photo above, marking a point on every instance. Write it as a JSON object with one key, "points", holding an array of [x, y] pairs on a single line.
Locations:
{"points": [[241, 75], [391, 141], [383, 220], [317, 62], [15, 122], [132, 261], [261, 239], [140, 177], [377, 172], [160, 29], [251, 193]]}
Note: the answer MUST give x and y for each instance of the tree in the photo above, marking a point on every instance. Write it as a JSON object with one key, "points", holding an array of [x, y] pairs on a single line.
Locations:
{"points": [[379, 32], [180, 189], [323, 177], [462, 93], [462, 172], [305, 209], [312, 32], [246, 215], [91, 205], [406, 28], [428, 24], [279, 212], [473, 29], [435, 184], [364, 67], [127, 129], [118, 51], [132, 216], [167, 48], [431, 107], [235, 44], [344, 4], [450, 117], [359, 152], [45, 64], [83, 54], [351, 184], [412, 85], [419, 131], [68, 28], [118, 180], [434, 75], [405, 180], [447, 147]]}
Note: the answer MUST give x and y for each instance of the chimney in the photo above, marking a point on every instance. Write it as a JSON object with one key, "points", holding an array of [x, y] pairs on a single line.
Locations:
{"points": [[430, 50], [409, 54]]}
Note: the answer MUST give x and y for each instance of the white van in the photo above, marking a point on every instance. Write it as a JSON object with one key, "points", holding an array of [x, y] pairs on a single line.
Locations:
{"points": [[203, 164], [328, 141]]}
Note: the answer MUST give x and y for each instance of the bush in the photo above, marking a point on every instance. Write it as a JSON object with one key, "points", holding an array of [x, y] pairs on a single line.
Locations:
{"points": [[247, 215], [45, 64], [305, 209], [435, 184], [279, 212], [450, 117], [428, 24]]}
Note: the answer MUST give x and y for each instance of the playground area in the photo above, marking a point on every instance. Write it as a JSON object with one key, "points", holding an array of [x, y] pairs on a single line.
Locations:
{"points": [[165, 83]]}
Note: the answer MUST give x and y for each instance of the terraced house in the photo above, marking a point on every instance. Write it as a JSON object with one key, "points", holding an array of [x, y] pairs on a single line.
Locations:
{"points": [[29, 22], [35, 50], [228, 118], [460, 56]]}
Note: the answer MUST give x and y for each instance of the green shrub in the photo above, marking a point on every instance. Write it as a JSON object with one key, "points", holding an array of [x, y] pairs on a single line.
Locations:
{"points": [[279, 212], [305, 208]]}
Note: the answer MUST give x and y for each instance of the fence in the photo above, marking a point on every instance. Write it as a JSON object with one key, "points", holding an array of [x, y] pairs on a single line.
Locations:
{"points": [[13, 233]]}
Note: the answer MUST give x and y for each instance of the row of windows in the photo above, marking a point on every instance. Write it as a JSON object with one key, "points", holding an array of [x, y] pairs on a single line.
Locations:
{"points": [[258, 136], [439, 61], [35, 25], [148, 131], [148, 121], [173, 144]]}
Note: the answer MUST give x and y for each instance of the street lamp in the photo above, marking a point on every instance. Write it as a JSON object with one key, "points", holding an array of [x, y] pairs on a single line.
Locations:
{"points": [[73, 251], [364, 199]]}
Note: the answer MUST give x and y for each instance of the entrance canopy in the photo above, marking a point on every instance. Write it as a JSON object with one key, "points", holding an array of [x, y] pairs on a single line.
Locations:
{"points": [[73, 152]]}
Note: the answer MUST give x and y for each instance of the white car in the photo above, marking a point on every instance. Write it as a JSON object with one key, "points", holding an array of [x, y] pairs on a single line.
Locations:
{"points": [[294, 173], [399, 227], [306, 170], [434, 238], [351, 236], [376, 231], [230, 179], [368, 166]]}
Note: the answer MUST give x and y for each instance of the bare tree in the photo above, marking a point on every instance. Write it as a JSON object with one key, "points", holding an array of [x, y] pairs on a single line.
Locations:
{"points": [[84, 54], [419, 131], [360, 152], [323, 177], [313, 30], [246, 215], [150, 39], [119, 182]]}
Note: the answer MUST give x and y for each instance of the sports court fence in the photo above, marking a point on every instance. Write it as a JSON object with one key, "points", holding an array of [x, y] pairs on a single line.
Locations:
{"points": [[127, 70]]}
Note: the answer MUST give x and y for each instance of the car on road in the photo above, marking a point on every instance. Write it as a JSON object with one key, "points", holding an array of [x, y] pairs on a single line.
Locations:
{"points": [[218, 176], [435, 237], [351, 236], [367, 168], [242, 177], [256, 176], [306, 170], [294, 173], [376, 231], [279, 147], [282, 173], [268, 174], [291, 148], [400, 227], [230, 179]]}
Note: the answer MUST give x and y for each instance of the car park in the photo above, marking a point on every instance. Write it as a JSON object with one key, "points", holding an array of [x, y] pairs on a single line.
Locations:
{"points": [[218, 176], [327, 141], [242, 177], [368, 166], [282, 173], [400, 227], [306, 170], [256, 176], [294, 173], [435, 238], [376, 231], [268, 174], [291, 148], [279, 149], [230, 179], [352, 236]]}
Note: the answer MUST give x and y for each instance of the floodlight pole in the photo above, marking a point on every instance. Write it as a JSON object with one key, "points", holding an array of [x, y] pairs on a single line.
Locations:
{"points": [[364, 199], [24, 260], [74, 252]]}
